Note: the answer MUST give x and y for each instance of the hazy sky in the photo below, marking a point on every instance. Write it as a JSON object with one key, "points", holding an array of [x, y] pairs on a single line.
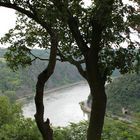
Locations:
{"points": [[7, 20]]}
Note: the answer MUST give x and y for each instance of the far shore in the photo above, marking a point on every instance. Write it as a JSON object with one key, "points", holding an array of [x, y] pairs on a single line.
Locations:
{"points": [[64, 87], [49, 91]]}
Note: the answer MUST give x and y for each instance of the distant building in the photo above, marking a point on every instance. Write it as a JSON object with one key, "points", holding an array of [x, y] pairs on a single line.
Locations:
{"points": [[124, 111]]}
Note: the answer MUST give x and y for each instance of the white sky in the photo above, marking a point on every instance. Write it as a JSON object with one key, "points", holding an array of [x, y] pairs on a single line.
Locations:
{"points": [[7, 20]]}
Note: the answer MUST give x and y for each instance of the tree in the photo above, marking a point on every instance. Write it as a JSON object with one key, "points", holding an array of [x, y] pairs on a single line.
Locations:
{"points": [[77, 34], [11, 128], [8, 109]]}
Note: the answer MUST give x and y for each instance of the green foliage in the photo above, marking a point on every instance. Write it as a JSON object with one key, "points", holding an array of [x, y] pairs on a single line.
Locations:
{"points": [[118, 130], [97, 32], [9, 112], [18, 56], [71, 132], [10, 80], [115, 31], [113, 130], [24, 129], [12, 124], [124, 92]]}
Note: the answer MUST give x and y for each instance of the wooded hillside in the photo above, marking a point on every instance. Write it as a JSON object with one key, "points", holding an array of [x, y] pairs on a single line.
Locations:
{"points": [[22, 82], [124, 92]]}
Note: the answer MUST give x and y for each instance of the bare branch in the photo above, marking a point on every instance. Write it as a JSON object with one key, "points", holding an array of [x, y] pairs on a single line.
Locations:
{"points": [[36, 57], [74, 62]]}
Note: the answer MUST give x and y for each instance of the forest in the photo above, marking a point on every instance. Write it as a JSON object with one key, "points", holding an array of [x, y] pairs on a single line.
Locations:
{"points": [[124, 91], [21, 83]]}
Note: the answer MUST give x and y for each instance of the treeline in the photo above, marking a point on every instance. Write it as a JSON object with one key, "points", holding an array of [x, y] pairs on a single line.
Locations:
{"points": [[22, 82]]}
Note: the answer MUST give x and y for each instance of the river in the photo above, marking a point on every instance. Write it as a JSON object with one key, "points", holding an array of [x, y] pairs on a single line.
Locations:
{"points": [[62, 105]]}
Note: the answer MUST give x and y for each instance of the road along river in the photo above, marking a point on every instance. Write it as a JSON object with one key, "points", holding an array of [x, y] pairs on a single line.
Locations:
{"points": [[62, 105]]}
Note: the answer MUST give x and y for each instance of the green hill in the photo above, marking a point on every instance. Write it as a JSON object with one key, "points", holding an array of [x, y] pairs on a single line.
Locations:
{"points": [[124, 92], [22, 82]]}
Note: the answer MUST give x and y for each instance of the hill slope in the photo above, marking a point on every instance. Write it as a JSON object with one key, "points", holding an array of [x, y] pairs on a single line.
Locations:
{"points": [[124, 92], [22, 82]]}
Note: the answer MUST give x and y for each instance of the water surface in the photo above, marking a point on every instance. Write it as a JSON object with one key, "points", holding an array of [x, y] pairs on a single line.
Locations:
{"points": [[62, 106]]}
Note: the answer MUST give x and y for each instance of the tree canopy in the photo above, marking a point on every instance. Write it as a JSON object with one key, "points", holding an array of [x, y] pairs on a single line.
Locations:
{"points": [[29, 34]]}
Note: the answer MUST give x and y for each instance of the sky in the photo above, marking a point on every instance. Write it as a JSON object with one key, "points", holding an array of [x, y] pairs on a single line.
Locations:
{"points": [[7, 20]]}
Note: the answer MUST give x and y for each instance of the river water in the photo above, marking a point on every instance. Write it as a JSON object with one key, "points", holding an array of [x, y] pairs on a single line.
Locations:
{"points": [[62, 105]]}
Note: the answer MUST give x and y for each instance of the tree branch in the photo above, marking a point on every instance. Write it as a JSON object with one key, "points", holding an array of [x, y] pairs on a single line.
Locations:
{"points": [[99, 21], [73, 25], [75, 63], [28, 13], [36, 57], [17, 8]]}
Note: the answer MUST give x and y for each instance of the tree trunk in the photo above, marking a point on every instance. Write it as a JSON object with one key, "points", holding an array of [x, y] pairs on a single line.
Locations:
{"points": [[96, 80], [97, 113], [44, 126]]}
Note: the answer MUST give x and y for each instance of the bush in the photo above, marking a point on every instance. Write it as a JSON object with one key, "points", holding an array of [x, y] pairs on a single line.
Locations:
{"points": [[23, 129], [119, 130], [9, 112], [113, 130], [71, 132], [13, 126]]}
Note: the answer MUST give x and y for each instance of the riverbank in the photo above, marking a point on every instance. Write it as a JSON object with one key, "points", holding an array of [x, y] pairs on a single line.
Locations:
{"points": [[64, 87], [30, 97]]}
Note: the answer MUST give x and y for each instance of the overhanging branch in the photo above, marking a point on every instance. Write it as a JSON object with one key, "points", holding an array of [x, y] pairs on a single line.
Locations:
{"points": [[28, 13], [75, 63]]}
